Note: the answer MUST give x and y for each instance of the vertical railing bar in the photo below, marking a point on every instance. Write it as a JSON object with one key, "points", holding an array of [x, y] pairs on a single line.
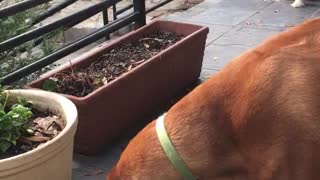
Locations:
{"points": [[105, 16], [114, 10], [139, 7]]}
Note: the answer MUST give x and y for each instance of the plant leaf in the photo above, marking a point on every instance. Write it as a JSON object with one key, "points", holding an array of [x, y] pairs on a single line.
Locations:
{"points": [[4, 145], [49, 85]]}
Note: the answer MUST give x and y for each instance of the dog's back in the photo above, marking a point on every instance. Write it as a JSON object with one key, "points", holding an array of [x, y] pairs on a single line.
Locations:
{"points": [[258, 118], [273, 110]]}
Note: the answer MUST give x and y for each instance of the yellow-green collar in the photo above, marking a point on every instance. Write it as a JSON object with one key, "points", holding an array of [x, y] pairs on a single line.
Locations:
{"points": [[170, 151]]}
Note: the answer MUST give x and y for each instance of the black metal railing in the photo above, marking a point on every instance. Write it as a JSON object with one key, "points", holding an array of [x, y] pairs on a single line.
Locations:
{"points": [[19, 7], [53, 10], [138, 16]]}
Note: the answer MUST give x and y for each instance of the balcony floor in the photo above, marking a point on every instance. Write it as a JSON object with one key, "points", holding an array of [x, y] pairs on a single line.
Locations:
{"points": [[235, 26]]}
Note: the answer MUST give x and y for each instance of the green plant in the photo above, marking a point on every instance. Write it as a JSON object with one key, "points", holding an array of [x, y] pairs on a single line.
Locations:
{"points": [[50, 84], [13, 120]]}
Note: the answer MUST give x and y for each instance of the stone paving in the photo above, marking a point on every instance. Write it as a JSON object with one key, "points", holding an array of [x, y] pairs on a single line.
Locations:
{"points": [[235, 26]]}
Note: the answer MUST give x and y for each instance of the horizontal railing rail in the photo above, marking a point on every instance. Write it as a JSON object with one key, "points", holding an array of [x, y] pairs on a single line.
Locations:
{"points": [[19, 7], [66, 22], [113, 26], [51, 11], [138, 16]]}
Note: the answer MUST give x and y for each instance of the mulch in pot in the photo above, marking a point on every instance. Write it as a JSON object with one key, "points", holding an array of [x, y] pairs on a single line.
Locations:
{"points": [[112, 64], [42, 127]]}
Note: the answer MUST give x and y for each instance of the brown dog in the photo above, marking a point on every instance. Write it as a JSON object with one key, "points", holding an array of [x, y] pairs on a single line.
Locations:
{"points": [[257, 119]]}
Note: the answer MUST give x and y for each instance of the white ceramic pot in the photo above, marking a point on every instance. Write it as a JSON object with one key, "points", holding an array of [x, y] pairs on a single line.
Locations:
{"points": [[53, 160]]}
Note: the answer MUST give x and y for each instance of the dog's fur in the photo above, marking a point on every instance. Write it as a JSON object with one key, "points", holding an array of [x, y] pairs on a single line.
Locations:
{"points": [[257, 119]]}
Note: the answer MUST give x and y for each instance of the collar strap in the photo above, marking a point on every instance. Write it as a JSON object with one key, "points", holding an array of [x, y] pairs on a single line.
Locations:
{"points": [[170, 151]]}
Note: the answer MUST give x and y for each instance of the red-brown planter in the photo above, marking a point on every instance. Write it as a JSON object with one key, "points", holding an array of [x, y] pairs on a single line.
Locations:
{"points": [[108, 111]]}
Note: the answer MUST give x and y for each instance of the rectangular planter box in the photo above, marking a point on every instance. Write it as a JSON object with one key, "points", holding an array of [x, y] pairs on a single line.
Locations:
{"points": [[107, 112]]}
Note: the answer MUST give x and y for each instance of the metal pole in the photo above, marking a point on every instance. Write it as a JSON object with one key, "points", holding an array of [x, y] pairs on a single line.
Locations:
{"points": [[140, 8], [114, 10], [106, 21]]}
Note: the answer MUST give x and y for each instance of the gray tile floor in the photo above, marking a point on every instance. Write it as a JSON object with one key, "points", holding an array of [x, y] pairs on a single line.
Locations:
{"points": [[235, 26]]}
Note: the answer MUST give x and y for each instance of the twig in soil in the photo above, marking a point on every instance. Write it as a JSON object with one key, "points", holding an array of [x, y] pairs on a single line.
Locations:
{"points": [[72, 68], [139, 62], [156, 39]]}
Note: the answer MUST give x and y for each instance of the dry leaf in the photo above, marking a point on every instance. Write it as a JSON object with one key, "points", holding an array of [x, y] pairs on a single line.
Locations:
{"points": [[55, 132], [48, 132], [37, 138], [60, 122], [44, 123], [25, 141], [139, 62]]}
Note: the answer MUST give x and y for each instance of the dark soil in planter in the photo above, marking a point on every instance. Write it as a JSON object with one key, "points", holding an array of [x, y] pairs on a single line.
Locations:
{"points": [[42, 127], [112, 64]]}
